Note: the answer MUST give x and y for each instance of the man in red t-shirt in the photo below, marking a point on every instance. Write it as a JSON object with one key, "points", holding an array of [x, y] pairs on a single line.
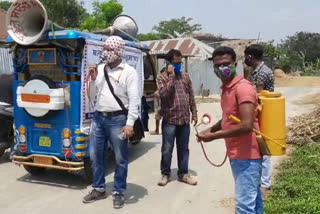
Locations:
{"points": [[238, 98]]}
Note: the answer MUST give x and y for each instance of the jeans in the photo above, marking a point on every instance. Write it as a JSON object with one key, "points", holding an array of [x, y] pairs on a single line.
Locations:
{"points": [[181, 134], [247, 176], [266, 172], [106, 129]]}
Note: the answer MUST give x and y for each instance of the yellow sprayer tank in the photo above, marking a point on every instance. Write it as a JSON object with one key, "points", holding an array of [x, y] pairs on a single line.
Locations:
{"points": [[272, 121]]}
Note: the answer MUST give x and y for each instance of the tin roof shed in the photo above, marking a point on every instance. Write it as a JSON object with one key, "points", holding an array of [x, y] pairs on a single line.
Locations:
{"points": [[188, 46]]}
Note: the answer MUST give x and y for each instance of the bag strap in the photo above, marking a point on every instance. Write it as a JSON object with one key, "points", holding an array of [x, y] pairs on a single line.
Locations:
{"points": [[106, 76]]}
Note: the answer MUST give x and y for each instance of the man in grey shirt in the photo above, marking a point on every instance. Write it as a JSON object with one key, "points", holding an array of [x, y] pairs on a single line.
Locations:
{"points": [[263, 77]]}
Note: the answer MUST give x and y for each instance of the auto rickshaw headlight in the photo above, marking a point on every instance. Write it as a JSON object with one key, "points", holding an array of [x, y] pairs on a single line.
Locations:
{"points": [[22, 138], [66, 142], [22, 130]]}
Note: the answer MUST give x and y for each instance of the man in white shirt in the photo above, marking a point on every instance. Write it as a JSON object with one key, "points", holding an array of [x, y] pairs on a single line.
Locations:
{"points": [[112, 123]]}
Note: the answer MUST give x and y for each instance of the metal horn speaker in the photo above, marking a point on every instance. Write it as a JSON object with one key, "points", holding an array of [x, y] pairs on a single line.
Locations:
{"points": [[126, 24], [123, 26], [27, 20]]}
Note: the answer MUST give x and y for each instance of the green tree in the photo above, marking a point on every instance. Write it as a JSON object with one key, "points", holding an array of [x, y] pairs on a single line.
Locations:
{"points": [[67, 13], [299, 52], [271, 50], [102, 16], [304, 44], [281, 57], [5, 5], [302, 49], [147, 37], [175, 28], [150, 36]]}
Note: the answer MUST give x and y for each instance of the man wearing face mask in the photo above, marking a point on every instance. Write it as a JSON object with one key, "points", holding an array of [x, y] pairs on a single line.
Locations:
{"points": [[238, 98], [112, 123], [177, 101], [263, 78]]}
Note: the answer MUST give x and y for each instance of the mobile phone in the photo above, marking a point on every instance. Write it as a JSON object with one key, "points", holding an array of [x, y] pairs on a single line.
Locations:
{"points": [[167, 63]]}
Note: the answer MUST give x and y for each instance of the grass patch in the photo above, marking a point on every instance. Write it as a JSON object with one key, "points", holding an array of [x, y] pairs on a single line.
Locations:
{"points": [[297, 186]]}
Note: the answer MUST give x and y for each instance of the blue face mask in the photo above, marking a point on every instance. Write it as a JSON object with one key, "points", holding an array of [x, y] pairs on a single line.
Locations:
{"points": [[177, 68]]}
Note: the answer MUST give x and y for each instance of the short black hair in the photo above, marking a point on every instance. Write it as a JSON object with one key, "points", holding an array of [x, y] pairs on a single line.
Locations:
{"points": [[172, 53], [255, 50], [220, 51]]}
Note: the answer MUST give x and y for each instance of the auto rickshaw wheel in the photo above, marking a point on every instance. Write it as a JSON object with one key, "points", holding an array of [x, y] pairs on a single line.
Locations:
{"points": [[87, 172], [34, 170]]}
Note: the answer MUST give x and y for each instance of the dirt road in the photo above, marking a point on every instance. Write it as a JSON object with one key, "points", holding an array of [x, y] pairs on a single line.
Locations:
{"points": [[60, 192], [297, 81]]}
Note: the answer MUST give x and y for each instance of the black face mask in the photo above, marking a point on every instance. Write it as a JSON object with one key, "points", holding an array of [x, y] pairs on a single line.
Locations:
{"points": [[247, 61]]}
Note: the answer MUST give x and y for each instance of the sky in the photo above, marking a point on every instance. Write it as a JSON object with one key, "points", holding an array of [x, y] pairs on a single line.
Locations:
{"points": [[272, 19], [246, 19]]}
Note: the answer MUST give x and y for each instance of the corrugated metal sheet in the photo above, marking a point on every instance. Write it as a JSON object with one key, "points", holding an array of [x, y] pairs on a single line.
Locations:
{"points": [[201, 73], [199, 68], [188, 47], [6, 66]]}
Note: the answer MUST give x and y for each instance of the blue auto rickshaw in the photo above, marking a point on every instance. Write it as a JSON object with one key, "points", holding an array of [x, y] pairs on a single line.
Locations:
{"points": [[52, 95]]}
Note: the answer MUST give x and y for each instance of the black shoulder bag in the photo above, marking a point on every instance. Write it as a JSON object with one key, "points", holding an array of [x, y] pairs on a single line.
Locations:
{"points": [[138, 126]]}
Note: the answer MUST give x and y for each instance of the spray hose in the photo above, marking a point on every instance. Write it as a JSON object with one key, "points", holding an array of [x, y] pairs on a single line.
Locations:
{"points": [[206, 156], [236, 120]]}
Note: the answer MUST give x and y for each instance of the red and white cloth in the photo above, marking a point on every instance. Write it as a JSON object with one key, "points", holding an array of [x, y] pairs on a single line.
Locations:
{"points": [[113, 49]]}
